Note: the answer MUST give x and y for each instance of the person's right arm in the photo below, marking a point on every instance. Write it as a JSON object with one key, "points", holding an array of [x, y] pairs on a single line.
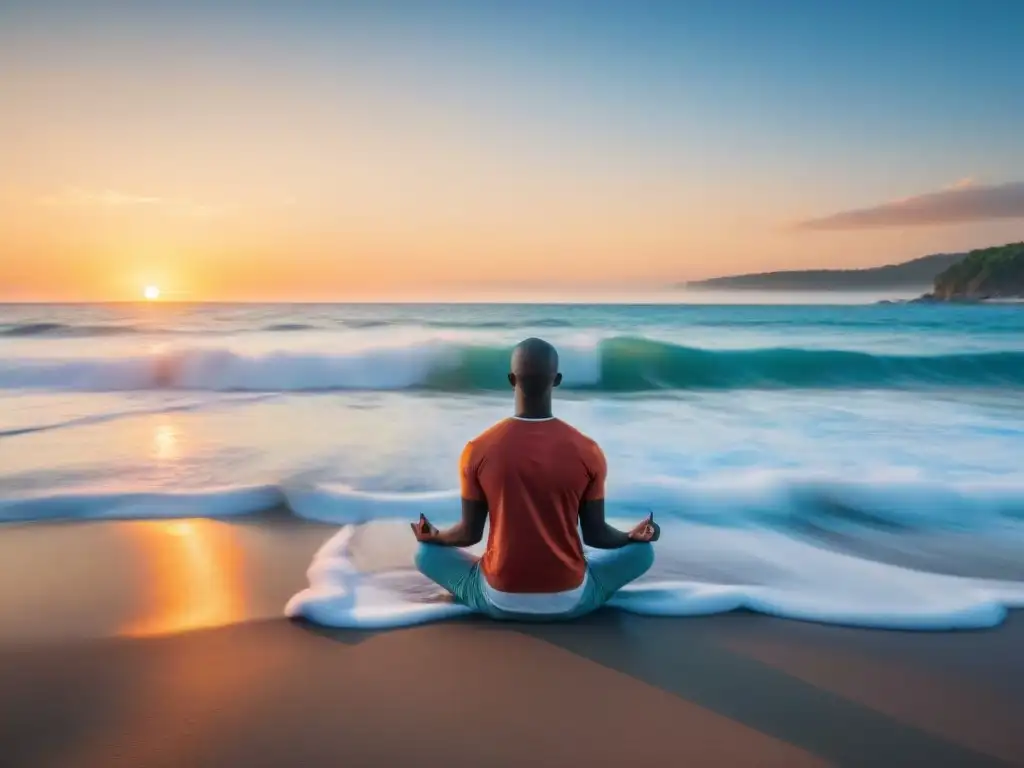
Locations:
{"points": [[596, 531]]}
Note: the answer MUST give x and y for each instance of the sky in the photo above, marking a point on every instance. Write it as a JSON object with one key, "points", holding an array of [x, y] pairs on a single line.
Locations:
{"points": [[332, 151]]}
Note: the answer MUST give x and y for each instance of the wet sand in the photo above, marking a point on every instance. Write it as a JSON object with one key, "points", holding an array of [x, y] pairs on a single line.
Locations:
{"points": [[150, 577], [160, 644]]}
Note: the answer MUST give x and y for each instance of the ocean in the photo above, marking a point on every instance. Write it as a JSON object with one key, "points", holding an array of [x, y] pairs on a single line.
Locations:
{"points": [[850, 463]]}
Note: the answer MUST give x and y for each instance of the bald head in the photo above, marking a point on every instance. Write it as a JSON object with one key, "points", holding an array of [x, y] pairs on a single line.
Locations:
{"points": [[534, 368]]}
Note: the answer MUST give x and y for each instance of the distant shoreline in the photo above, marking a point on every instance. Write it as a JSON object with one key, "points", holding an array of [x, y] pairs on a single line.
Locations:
{"points": [[916, 275], [982, 276]]}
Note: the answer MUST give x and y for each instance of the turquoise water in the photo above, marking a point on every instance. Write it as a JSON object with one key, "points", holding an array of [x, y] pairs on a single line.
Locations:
{"points": [[877, 433]]}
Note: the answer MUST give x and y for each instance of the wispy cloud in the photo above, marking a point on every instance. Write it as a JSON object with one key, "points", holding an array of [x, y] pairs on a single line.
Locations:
{"points": [[964, 183], [961, 202], [111, 199]]}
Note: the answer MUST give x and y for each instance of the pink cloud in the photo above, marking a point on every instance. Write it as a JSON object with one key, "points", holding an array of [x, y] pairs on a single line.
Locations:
{"points": [[965, 201]]}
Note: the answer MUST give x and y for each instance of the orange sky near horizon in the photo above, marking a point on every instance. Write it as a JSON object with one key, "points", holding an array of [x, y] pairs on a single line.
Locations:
{"points": [[108, 246], [242, 168]]}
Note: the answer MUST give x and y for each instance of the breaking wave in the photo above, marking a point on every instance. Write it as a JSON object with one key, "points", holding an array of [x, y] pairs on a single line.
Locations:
{"points": [[621, 364], [796, 503]]}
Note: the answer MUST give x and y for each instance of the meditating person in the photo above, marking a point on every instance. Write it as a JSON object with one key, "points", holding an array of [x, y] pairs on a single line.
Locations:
{"points": [[541, 481]]}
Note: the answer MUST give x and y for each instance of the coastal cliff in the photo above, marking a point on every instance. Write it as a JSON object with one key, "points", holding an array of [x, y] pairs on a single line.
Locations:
{"points": [[988, 273]]}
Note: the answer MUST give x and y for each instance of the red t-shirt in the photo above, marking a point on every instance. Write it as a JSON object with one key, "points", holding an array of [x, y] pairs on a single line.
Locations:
{"points": [[533, 475]]}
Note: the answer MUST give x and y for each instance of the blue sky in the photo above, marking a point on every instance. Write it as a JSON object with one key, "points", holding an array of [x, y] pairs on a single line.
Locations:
{"points": [[712, 128]]}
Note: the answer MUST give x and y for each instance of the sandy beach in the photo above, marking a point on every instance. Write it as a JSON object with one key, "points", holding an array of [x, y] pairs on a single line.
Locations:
{"points": [[161, 644]]}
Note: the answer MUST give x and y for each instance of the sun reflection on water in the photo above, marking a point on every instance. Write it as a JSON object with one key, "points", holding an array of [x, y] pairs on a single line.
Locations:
{"points": [[165, 442]]}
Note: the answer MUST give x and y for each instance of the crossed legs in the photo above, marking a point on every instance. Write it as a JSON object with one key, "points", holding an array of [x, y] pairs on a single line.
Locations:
{"points": [[609, 570]]}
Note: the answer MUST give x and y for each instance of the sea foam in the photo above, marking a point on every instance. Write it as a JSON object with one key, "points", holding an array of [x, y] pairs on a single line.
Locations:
{"points": [[352, 585], [799, 548], [130, 504], [783, 501]]}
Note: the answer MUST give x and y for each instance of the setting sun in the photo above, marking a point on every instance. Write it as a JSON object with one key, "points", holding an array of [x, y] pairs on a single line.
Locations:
{"points": [[151, 292]]}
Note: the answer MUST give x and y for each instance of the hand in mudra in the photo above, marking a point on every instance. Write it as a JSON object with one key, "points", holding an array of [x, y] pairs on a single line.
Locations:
{"points": [[646, 531], [423, 530]]}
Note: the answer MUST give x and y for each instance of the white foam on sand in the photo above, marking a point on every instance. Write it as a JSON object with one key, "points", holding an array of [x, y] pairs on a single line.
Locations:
{"points": [[363, 578]]}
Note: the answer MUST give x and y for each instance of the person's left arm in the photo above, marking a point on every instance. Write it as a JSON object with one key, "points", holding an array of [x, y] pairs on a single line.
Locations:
{"points": [[470, 529]]}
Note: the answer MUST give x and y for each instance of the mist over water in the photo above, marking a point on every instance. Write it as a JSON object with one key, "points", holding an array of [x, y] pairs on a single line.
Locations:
{"points": [[855, 461]]}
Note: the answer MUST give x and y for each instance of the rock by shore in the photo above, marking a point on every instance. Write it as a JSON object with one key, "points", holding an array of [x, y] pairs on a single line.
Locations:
{"points": [[986, 274]]}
